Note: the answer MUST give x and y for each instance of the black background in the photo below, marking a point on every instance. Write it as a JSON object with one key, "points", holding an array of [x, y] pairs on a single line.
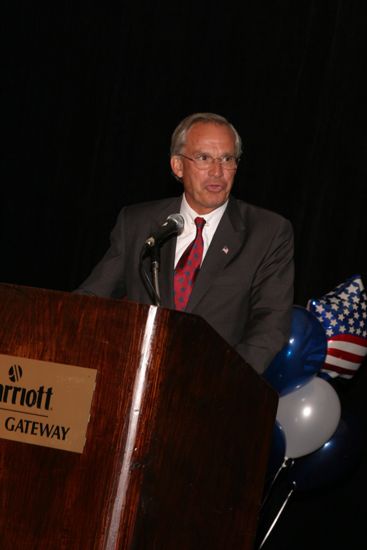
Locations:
{"points": [[90, 97]]}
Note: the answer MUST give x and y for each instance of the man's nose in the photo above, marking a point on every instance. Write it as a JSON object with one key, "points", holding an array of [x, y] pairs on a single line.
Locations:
{"points": [[216, 167]]}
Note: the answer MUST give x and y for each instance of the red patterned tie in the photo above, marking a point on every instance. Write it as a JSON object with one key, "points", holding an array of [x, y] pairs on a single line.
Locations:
{"points": [[188, 267]]}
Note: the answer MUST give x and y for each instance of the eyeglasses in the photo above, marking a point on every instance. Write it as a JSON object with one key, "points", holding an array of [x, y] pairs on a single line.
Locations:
{"points": [[204, 161]]}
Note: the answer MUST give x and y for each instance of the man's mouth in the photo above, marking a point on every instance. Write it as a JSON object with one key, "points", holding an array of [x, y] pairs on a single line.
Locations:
{"points": [[214, 187]]}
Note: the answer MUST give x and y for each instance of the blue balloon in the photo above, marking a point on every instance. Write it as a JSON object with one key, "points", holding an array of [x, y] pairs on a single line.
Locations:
{"points": [[302, 357], [335, 459]]}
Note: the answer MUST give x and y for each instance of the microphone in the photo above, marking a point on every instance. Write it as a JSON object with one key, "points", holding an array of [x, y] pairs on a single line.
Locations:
{"points": [[173, 224]]}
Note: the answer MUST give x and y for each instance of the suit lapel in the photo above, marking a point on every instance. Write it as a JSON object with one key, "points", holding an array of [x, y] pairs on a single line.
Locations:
{"points": [[227, 241]]}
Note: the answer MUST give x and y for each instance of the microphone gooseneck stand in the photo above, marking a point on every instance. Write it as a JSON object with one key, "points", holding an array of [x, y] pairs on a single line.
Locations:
{"points": [[152, 287], [155, 260], [173, 225]]}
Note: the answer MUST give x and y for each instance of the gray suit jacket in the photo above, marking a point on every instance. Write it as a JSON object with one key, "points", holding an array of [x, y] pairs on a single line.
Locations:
{"points": [[244, 289]]}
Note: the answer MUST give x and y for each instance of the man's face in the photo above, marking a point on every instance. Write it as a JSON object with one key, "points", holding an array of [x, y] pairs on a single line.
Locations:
{"points": [[206, 189]]}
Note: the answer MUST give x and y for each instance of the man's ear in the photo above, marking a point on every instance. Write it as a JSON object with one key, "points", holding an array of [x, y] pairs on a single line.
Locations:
{"points": [[176, 165]]}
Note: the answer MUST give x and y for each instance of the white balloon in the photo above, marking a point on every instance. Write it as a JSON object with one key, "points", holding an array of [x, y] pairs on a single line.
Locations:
{"points": [[309, 416]]}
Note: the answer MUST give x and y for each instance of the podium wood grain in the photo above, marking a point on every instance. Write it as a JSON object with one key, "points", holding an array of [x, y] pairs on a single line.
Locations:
{"points": [[177, 441]]}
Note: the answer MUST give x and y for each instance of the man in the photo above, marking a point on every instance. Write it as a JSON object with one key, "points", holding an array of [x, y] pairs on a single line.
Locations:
{"points": [[244, 284]]}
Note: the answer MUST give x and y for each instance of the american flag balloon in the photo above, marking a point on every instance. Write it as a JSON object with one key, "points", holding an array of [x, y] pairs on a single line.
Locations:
{"points": [[343, 314]]}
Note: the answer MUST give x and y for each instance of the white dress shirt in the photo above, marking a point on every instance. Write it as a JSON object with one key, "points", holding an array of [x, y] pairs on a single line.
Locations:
{"points": [[189, 232]]}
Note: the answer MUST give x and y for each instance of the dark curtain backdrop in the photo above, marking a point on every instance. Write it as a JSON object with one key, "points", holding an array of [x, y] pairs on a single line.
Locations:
{"points": [[90, 98]]}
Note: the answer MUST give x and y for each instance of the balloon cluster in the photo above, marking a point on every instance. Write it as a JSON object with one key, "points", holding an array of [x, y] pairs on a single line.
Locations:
{"points": [[314, 441], [317, 440]]}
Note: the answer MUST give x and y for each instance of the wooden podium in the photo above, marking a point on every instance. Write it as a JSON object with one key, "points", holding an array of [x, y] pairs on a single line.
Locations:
{"points": [[177, 440]]}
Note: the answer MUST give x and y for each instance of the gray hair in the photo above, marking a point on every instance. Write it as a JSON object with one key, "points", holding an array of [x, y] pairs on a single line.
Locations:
{"points": [[178, 140]]}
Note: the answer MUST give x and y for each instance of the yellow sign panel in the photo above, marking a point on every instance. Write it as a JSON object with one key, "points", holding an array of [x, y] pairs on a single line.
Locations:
{"points": [[45, 403]]}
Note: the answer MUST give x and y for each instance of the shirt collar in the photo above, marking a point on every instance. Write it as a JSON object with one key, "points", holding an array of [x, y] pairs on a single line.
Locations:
{"points": [[212, 218]]}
